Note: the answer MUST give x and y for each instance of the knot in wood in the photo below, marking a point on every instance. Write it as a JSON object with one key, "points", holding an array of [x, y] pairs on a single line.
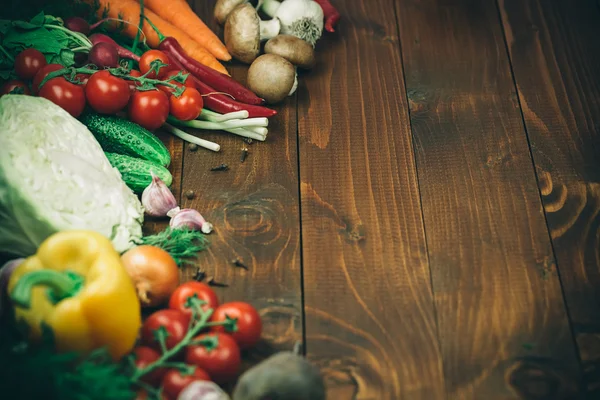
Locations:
{"points": [[533, 381]]}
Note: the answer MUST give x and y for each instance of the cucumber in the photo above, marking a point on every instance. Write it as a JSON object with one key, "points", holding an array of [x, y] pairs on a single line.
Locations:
{"points": [[136, 173], [121, 136]]}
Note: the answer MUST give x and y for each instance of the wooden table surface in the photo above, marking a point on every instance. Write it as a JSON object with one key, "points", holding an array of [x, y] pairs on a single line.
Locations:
{"points": [[425, 212]]}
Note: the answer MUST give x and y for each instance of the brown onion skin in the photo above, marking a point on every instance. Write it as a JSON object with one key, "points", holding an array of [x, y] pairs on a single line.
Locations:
{"points": [[154, 273]]}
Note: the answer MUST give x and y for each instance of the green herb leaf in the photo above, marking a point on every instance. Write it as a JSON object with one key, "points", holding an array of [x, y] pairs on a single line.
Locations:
{"points": [[182, 243]]}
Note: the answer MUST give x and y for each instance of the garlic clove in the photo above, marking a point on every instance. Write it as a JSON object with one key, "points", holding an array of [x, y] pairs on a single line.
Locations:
{"points": [[189, 218], [157, 199]]}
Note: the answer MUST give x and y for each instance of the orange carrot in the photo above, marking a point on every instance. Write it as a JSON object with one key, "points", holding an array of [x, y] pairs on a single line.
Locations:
{"points": [[129, 12], [180, 14]]}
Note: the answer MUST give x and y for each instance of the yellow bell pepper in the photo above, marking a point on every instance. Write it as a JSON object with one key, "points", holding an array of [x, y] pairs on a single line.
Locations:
{"points": [[77, 286]]}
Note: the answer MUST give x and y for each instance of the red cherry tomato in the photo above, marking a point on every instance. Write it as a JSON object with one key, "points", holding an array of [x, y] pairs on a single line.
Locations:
{"points": [[145, 356], [189, 82], [248, 323], [221, 363], [148, 57], [187, 106], [149, 108], [28, 63], [39, 77], [174, 382], [201, 290], [20, 86], [175, 322], [65, 94], [106, 93]]}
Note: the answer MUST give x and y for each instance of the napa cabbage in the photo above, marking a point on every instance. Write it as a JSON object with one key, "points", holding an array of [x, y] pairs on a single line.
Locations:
{"points": [[54, 176]]}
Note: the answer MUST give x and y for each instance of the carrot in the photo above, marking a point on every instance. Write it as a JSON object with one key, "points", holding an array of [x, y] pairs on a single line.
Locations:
{"points": [[180, 14], [129, 12]]}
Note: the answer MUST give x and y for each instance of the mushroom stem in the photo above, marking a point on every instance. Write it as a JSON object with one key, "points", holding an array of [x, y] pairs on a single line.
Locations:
{"points": [[294, 86], [269, 29], [269, 7]]}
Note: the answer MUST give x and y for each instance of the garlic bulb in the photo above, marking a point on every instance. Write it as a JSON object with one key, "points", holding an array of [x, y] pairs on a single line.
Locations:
{"points": [[300, 18], [157, 199], [189, 218], [203, 390]]}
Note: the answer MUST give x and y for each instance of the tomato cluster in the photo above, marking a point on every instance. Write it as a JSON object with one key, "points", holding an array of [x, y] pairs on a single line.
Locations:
{"points": [[220, 363], [106, 93]]}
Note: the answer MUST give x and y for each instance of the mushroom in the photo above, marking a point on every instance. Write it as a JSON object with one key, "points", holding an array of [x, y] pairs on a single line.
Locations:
{"points": [[272, 77], [244, 32], [297, 51], [224, 7]]}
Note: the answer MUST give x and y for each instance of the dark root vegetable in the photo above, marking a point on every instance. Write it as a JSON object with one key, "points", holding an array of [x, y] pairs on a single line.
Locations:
{"points": [[77, 24], [104, 55], [121, 51]]}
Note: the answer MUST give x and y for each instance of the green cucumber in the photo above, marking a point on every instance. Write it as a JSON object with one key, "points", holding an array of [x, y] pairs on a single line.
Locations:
{"points": [[121, 136], [137, 173]]}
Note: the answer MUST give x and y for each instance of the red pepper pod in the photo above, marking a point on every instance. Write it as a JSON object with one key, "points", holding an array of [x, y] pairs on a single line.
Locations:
{"points": [[223, 104], [331, 14], [219, 81]]}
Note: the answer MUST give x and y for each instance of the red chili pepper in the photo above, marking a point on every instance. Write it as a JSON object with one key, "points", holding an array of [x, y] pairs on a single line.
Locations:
{"points": [[223, 104], [331, 14], [219, 81]]}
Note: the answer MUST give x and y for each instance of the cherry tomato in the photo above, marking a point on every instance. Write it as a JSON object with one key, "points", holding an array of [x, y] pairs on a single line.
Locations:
{"points": [[201, 290], [14, 84], [147, 58], [106, 93], [174, 382], [149, 108], [67, 95], [248, 323], [28, 63], [145, 356], [187, 106], [39, 77], [189, 82], [134, 84], [222, 363], [175, 322]]}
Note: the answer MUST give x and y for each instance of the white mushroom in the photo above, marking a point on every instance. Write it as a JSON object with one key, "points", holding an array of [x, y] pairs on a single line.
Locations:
{"points": [[297, 51], [244, 32], [272, 77], [224, 7]]}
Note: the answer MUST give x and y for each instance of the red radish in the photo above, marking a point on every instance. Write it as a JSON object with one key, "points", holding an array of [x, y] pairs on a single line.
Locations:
{"points": [[104, 55], [121, 51], [78, 24]]}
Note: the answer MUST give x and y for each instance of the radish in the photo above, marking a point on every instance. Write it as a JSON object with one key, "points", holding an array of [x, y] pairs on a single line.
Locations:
{"points": [[104, 55], [121, 51], [77, 24]]}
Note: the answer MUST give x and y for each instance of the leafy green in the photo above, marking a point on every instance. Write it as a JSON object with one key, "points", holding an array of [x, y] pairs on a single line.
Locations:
{"points": [[180, 243], [45, 33], [26, 9], [37, 371]]}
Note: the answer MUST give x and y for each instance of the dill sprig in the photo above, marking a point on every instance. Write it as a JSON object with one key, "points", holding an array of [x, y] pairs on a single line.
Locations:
{"points": [[181, 243]]}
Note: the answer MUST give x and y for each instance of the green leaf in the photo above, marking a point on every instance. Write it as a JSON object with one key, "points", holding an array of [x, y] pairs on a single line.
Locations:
{"points": [[40, 38], [66, 58], [36, 22], [6, 75], [4, 26]]}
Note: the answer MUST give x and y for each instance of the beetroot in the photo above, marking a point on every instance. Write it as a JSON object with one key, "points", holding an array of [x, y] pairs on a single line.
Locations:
{"points": [[104, 55], [121, 51], [77, 24]]}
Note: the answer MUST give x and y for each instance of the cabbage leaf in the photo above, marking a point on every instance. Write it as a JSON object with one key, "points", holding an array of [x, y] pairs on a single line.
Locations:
{"points": [[54, 176]]}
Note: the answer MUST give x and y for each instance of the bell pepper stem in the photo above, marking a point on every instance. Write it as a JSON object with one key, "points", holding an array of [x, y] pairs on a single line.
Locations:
{"points": [[60, 286]]}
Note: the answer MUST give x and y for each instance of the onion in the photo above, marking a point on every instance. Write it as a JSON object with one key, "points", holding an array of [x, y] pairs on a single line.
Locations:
{"points": [[202, 390], [154, 273], [5, 273]]}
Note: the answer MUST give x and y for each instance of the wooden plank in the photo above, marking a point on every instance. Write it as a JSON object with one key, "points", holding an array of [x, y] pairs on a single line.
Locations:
{"points": [[370, 320], [254, 207], [503, 326], [555, 55]]}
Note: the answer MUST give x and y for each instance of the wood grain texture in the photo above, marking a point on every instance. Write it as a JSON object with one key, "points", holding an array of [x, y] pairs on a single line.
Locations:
{"points": [[555, 52], [370, 321], [254, 207], [503, 326]]}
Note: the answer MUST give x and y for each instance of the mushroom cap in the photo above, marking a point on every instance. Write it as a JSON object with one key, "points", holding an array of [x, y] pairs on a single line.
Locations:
{"points": [[224, 7], [242, 33], [271, 77], [297, 51]]}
